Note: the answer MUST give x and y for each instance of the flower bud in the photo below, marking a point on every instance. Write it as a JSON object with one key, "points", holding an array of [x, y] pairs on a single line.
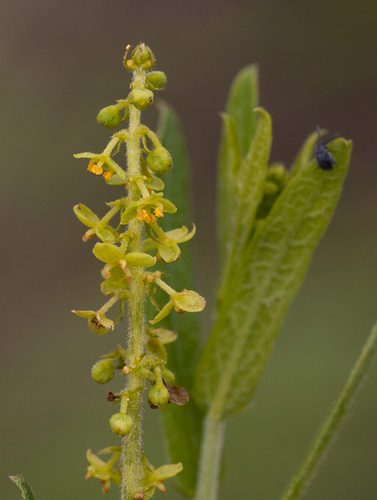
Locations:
{"points": [[121, 424], [277, 173], [158, 395], [159, 160], [270, 188], [155, 80], [102, 371], [141, 54], [109, 117], [141, 98]]}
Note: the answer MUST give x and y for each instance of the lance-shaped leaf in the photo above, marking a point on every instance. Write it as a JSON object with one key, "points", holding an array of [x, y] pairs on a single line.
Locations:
{"points": [[183, 426], [243, 99], [250, 188], [229, 166], [305, 154], [239, 126], [272, 269], [25, 489]]}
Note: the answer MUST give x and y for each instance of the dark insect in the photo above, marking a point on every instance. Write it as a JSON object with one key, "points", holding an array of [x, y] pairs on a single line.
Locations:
{"points": [[324, 159]]}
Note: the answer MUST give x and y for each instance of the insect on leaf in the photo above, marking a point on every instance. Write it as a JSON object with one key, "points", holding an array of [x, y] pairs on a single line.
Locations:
{"points": [[257, 297]]}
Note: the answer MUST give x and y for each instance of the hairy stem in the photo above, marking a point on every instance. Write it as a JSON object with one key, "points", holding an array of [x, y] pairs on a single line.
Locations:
{"points": [[132, 443], [210, 459]]}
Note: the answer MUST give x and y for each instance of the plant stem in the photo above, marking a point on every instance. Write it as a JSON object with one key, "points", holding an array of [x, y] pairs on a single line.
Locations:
{"points": [[300, 481], [168, 289], [108, 304], [132, 443], [210, 459]]}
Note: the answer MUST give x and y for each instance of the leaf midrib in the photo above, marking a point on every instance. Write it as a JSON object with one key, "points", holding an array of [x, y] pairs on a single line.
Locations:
{"points": [[231, 365]]}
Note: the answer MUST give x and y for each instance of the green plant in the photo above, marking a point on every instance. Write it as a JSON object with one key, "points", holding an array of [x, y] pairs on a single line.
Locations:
{"points": [[270, 221]]}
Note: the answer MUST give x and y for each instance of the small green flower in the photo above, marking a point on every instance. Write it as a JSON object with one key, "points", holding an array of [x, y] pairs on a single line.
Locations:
{"points": [[102, 164], [167, 243], [154, 478], [97, 321], [185, 301], [142, 208], [103, 470], [103, 231]]}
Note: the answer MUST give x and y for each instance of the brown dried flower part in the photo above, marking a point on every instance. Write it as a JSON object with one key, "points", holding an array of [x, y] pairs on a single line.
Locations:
{"points": [[178, 395], [110, 396]]}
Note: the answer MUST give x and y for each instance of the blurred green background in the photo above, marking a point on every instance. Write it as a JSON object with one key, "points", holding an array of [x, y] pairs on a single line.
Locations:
{"points": [[61, 61]]}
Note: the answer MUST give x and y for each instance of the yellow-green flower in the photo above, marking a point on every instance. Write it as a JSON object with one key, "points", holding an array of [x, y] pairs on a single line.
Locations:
{"points": [[102, 164], [103, 470]]}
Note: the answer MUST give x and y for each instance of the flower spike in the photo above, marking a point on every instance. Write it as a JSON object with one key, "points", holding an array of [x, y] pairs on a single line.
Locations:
{"points": [[125, 258]]}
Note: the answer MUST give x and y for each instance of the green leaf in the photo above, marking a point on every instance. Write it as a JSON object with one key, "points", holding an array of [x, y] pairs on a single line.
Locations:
{"points": [[257, 297], [25, 489], [249, 191], [229, 166], [243, 99], [305, 154], [331, 425], [183, 426], [239, 127]]}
